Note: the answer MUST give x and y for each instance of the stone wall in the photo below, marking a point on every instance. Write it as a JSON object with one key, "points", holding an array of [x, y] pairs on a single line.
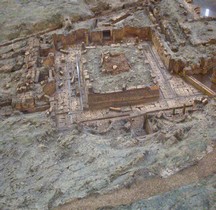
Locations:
{"points": [[178, 65], [63, 41], [204, 65], [118, 34], [96, 37], [78, 36], [123, 98], [165, 57], [142, 33]]}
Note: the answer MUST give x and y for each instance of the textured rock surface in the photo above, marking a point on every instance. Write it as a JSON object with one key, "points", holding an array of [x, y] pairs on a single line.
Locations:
{"points": [[41, 168], [24, 17]]}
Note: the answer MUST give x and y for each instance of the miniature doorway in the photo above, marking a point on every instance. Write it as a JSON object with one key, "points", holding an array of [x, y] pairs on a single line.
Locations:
{"points": [[107, 35]]}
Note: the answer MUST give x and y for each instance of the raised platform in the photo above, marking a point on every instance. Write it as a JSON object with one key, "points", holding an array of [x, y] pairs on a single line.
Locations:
{"points": [[119, 75]]}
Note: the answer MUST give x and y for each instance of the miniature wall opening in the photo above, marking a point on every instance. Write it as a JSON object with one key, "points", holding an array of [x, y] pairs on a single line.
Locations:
{"points": [[107, 35]]}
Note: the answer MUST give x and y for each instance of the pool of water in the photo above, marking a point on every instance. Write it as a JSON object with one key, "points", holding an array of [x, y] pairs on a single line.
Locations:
{"points": [[208, 7]]}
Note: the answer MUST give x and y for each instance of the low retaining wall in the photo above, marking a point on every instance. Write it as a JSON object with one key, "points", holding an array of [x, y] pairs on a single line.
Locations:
{"points": [[123, 98]]}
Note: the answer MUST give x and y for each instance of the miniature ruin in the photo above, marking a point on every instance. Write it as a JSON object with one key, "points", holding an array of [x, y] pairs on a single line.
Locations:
{"points": [[139, 65], [113, 61]]}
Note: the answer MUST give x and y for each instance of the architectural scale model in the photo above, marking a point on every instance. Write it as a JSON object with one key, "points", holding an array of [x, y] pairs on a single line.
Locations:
{"points": [[142, 69]]}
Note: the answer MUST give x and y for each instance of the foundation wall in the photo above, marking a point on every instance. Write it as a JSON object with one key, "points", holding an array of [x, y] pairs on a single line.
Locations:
{"points": [[123, 98], [178, 65], [96, 36], [63, 41], [118, 34], [160, 49], [203, 66], [142, 33], [80, 35], [173, 65]]}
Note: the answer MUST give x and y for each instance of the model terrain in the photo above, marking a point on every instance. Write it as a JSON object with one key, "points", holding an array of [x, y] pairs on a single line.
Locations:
{"points": [[107, 104]]}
